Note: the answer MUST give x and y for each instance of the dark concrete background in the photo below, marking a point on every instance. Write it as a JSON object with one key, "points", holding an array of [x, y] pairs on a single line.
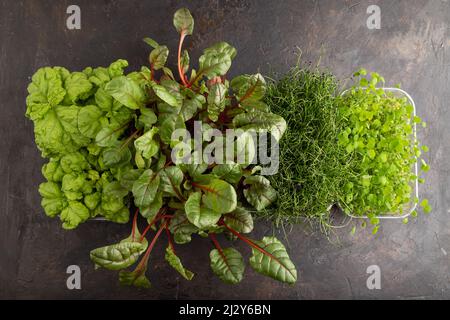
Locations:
{"points": [[412, 47]]}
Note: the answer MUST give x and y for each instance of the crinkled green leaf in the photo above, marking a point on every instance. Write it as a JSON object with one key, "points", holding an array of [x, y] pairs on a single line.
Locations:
{"points": [[118, 256], [222, 47], [135, 278], [260, 194], [90, 121], [275, 263], [147, 118], [181, 228], [78, 87], [52, 171], [146, 145], [107, 137], [216, 100], [240, 220], [249, 87], [218, 195], [149, 212], [158, 57], [214, 64], [45, 91], [175, 263], [145, 188], [74, 214], [118, 216], [230, 172], [165, 95], [74, 185], [261, 122], [198, 214], [227, 264], [116, 156], [73, 162], [127, 92], [91, 201], [171, 179], [98, 76], [53, 200], [115, 69], [57, 131]]}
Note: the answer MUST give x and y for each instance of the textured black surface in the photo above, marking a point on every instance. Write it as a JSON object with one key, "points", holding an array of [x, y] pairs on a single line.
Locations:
{"points": [[412, 47]]}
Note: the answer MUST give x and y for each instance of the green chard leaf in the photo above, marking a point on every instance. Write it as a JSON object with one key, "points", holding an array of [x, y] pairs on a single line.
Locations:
{"points": [[216, 100], [128, 178], [136, 278], [183, 21], [227, 264], [181, 228], [110, 143], [218, 195], [213, 64], [146, 145], [116, 156], [149, 212], [261, 122], [127, 92], [231, 172], [145, 188], [147, 119], [158, 57], [275, 262], [222, 47], [152, 43], [239, 220], [171, 179], [107, 137], [118, 256], [165, 95], [248, 88], [259, 194], [175, 263], [90, 121], [198, 214]]}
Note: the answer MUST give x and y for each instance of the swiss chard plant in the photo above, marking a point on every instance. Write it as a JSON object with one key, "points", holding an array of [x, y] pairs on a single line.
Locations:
{"points": [[109, 138]]}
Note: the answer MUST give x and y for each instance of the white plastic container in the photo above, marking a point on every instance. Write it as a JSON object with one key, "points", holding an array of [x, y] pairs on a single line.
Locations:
{"points": [[409, 208]]}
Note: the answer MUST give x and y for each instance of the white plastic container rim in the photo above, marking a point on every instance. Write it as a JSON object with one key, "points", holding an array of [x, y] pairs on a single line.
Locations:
{"points": [[416, 169]]}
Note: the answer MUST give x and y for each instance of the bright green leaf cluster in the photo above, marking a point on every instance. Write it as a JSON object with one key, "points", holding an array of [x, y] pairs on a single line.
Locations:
{"points": [[379, 138], [78, 125]]}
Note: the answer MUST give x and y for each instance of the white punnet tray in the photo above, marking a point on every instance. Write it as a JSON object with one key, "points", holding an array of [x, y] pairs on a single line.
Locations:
{"points": [[409, 208]]}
